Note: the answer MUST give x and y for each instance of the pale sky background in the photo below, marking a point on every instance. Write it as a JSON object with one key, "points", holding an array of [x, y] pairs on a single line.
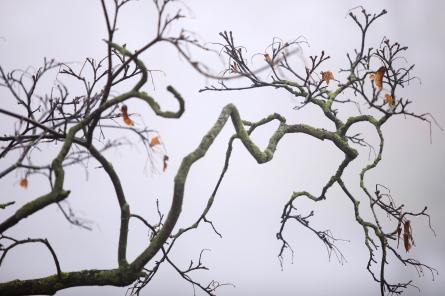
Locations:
{"points": [[249, 204]]}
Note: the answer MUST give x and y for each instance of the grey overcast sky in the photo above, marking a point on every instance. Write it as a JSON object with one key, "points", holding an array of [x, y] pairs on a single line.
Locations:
{"points": [[248, 207]]}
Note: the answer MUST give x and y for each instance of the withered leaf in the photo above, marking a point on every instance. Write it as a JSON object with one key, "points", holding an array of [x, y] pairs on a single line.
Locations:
{"points": [[154, 141], [127, 119], [407, 242], [327, 76], [377, 76], [407, 235], [390, 100], [24, 183], [165, 163]]}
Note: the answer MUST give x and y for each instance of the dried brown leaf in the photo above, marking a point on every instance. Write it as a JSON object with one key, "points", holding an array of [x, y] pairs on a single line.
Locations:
{"points": [[327, 76], [407, 235], [166, 158], [24, 183], [155, 141], [390, 100], [127, 119], [377, 76]]}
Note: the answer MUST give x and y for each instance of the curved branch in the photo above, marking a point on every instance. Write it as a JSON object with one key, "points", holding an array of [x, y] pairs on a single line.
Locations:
{"points": [[124, 207], [260, 156], [35, 240]]}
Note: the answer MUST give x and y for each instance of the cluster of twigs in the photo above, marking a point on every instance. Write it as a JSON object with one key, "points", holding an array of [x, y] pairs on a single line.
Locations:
{"points": [[374, 77], [78, 125]]}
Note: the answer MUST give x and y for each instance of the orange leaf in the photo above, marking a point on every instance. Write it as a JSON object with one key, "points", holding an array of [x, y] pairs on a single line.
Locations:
{"points": [[378, 77], [24, 183], [155, 141], [390, 100], [327, 76], [165, 163], [127, 119]]}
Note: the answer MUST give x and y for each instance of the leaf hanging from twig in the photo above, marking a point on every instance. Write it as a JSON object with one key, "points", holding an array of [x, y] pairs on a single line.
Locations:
{"points": [[127, 119], [377, 76], [407, 235], [24, 183], [390, 100], [155, 141], [165, 163], [327, 76]]}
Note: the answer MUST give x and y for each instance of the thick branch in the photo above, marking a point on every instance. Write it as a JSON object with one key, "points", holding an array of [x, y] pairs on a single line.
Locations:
{"points": [[125, 208], [51, 284]]}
